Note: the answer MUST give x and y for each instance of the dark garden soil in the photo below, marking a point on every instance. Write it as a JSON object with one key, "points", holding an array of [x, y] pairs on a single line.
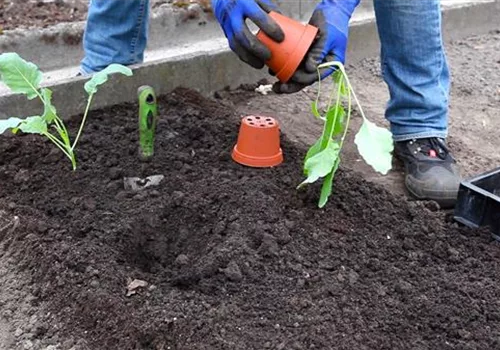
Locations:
{"points": [[38, 13], [234, 258], [26, 13]]}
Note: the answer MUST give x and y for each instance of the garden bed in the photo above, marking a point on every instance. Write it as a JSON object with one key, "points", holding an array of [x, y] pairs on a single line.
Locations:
{"points": [[234, 258], [27, 14], [37, 13]]}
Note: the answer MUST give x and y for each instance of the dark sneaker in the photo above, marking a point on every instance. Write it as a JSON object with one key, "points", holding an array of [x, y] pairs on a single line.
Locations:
{"points": [[430, 171]]}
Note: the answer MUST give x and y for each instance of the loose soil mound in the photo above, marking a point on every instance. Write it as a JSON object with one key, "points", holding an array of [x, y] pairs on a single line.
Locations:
{"points": [[235, 257]]}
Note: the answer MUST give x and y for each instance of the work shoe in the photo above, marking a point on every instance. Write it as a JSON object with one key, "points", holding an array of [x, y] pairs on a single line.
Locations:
{"points": [[430, 171]]}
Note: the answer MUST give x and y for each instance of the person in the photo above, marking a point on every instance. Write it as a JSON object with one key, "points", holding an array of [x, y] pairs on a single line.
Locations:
{"points": [[413, 61]]}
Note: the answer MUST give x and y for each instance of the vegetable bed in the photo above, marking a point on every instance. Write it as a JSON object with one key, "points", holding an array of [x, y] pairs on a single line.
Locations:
{"points": [[233, 257], [16, 14], [39, 13]]}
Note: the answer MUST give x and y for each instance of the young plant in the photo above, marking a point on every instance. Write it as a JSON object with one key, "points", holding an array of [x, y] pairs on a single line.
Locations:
{"points": [[24, 78], [323, 158]]}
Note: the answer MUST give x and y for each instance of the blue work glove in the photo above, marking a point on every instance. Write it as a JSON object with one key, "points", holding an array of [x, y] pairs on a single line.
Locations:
{"points": [[232, 14], [332, 18]]}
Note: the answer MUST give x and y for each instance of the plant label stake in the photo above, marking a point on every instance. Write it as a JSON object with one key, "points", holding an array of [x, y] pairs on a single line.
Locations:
{"points": [[148, 115]]}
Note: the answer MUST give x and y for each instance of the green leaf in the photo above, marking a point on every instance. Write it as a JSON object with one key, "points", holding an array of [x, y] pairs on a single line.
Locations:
{"points": [[315, 111], [338, 128], [340, 124], [375, 146], [321, 164], [50, 112], [343, 88], [102, 77], [10, 123], [34, 125], [336, 113], [337, 77], [315, 149], [326, 189], [340, 80], [20, 76]]}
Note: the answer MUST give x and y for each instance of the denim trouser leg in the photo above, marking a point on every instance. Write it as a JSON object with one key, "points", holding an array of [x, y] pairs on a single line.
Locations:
{"points": [[414, 67], [116, 32]]}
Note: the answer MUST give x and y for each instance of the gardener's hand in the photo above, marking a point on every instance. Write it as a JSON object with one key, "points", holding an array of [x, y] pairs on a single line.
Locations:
{"points": [[232, 14], [332, 18]]}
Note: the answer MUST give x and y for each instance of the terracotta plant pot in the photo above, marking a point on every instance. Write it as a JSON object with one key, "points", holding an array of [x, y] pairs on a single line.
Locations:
{"points": [[258, 143], [287, 55]]}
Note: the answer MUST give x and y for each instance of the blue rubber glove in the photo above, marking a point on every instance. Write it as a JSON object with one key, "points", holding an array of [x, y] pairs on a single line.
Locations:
{"points": [[232, 14], [332, 18]]}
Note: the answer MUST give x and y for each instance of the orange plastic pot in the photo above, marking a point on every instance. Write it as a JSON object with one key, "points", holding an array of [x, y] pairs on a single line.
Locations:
{"points": [[258, 143], [287, 55]]}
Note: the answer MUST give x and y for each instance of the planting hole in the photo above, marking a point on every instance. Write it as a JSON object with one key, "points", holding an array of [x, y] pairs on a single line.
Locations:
{"points": [[257, 118], [251, 123], [268, 119], [270, 124]]}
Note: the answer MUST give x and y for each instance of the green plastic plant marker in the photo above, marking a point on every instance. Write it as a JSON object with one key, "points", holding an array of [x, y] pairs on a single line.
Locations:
{"points": [[148, 115]]}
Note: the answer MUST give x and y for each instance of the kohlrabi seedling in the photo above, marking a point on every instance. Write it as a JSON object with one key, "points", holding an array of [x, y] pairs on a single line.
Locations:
{"points": [[374, 143], [24, 78]]}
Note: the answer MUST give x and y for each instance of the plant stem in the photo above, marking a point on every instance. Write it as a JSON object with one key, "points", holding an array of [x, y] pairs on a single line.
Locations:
{"points": [[63, 135], [330, 124], [61, 129], [341, 67], [352, 90], [331, 98], [83, 121], [349, 112], [319, 89], [59, 144], [73, 161], [56, 140]]}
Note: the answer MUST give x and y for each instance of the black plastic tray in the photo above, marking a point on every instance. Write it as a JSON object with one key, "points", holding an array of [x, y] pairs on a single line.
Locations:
{"points": [[478, 202]]}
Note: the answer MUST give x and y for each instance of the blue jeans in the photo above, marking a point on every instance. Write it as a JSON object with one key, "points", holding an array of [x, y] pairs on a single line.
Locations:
{"points": [[414, 67], [116, 32], [413, 60]]}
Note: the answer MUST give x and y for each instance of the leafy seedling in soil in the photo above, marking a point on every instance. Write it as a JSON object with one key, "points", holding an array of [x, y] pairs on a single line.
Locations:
{"points": [[24, 77], [374, 143]]}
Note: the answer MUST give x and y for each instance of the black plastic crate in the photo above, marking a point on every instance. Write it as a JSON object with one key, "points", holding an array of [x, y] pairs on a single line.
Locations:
{"points": [[478, 202]]}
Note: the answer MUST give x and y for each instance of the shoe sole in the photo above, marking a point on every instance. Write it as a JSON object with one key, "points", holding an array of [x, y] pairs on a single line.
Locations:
{"points": [[444, 202]]}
